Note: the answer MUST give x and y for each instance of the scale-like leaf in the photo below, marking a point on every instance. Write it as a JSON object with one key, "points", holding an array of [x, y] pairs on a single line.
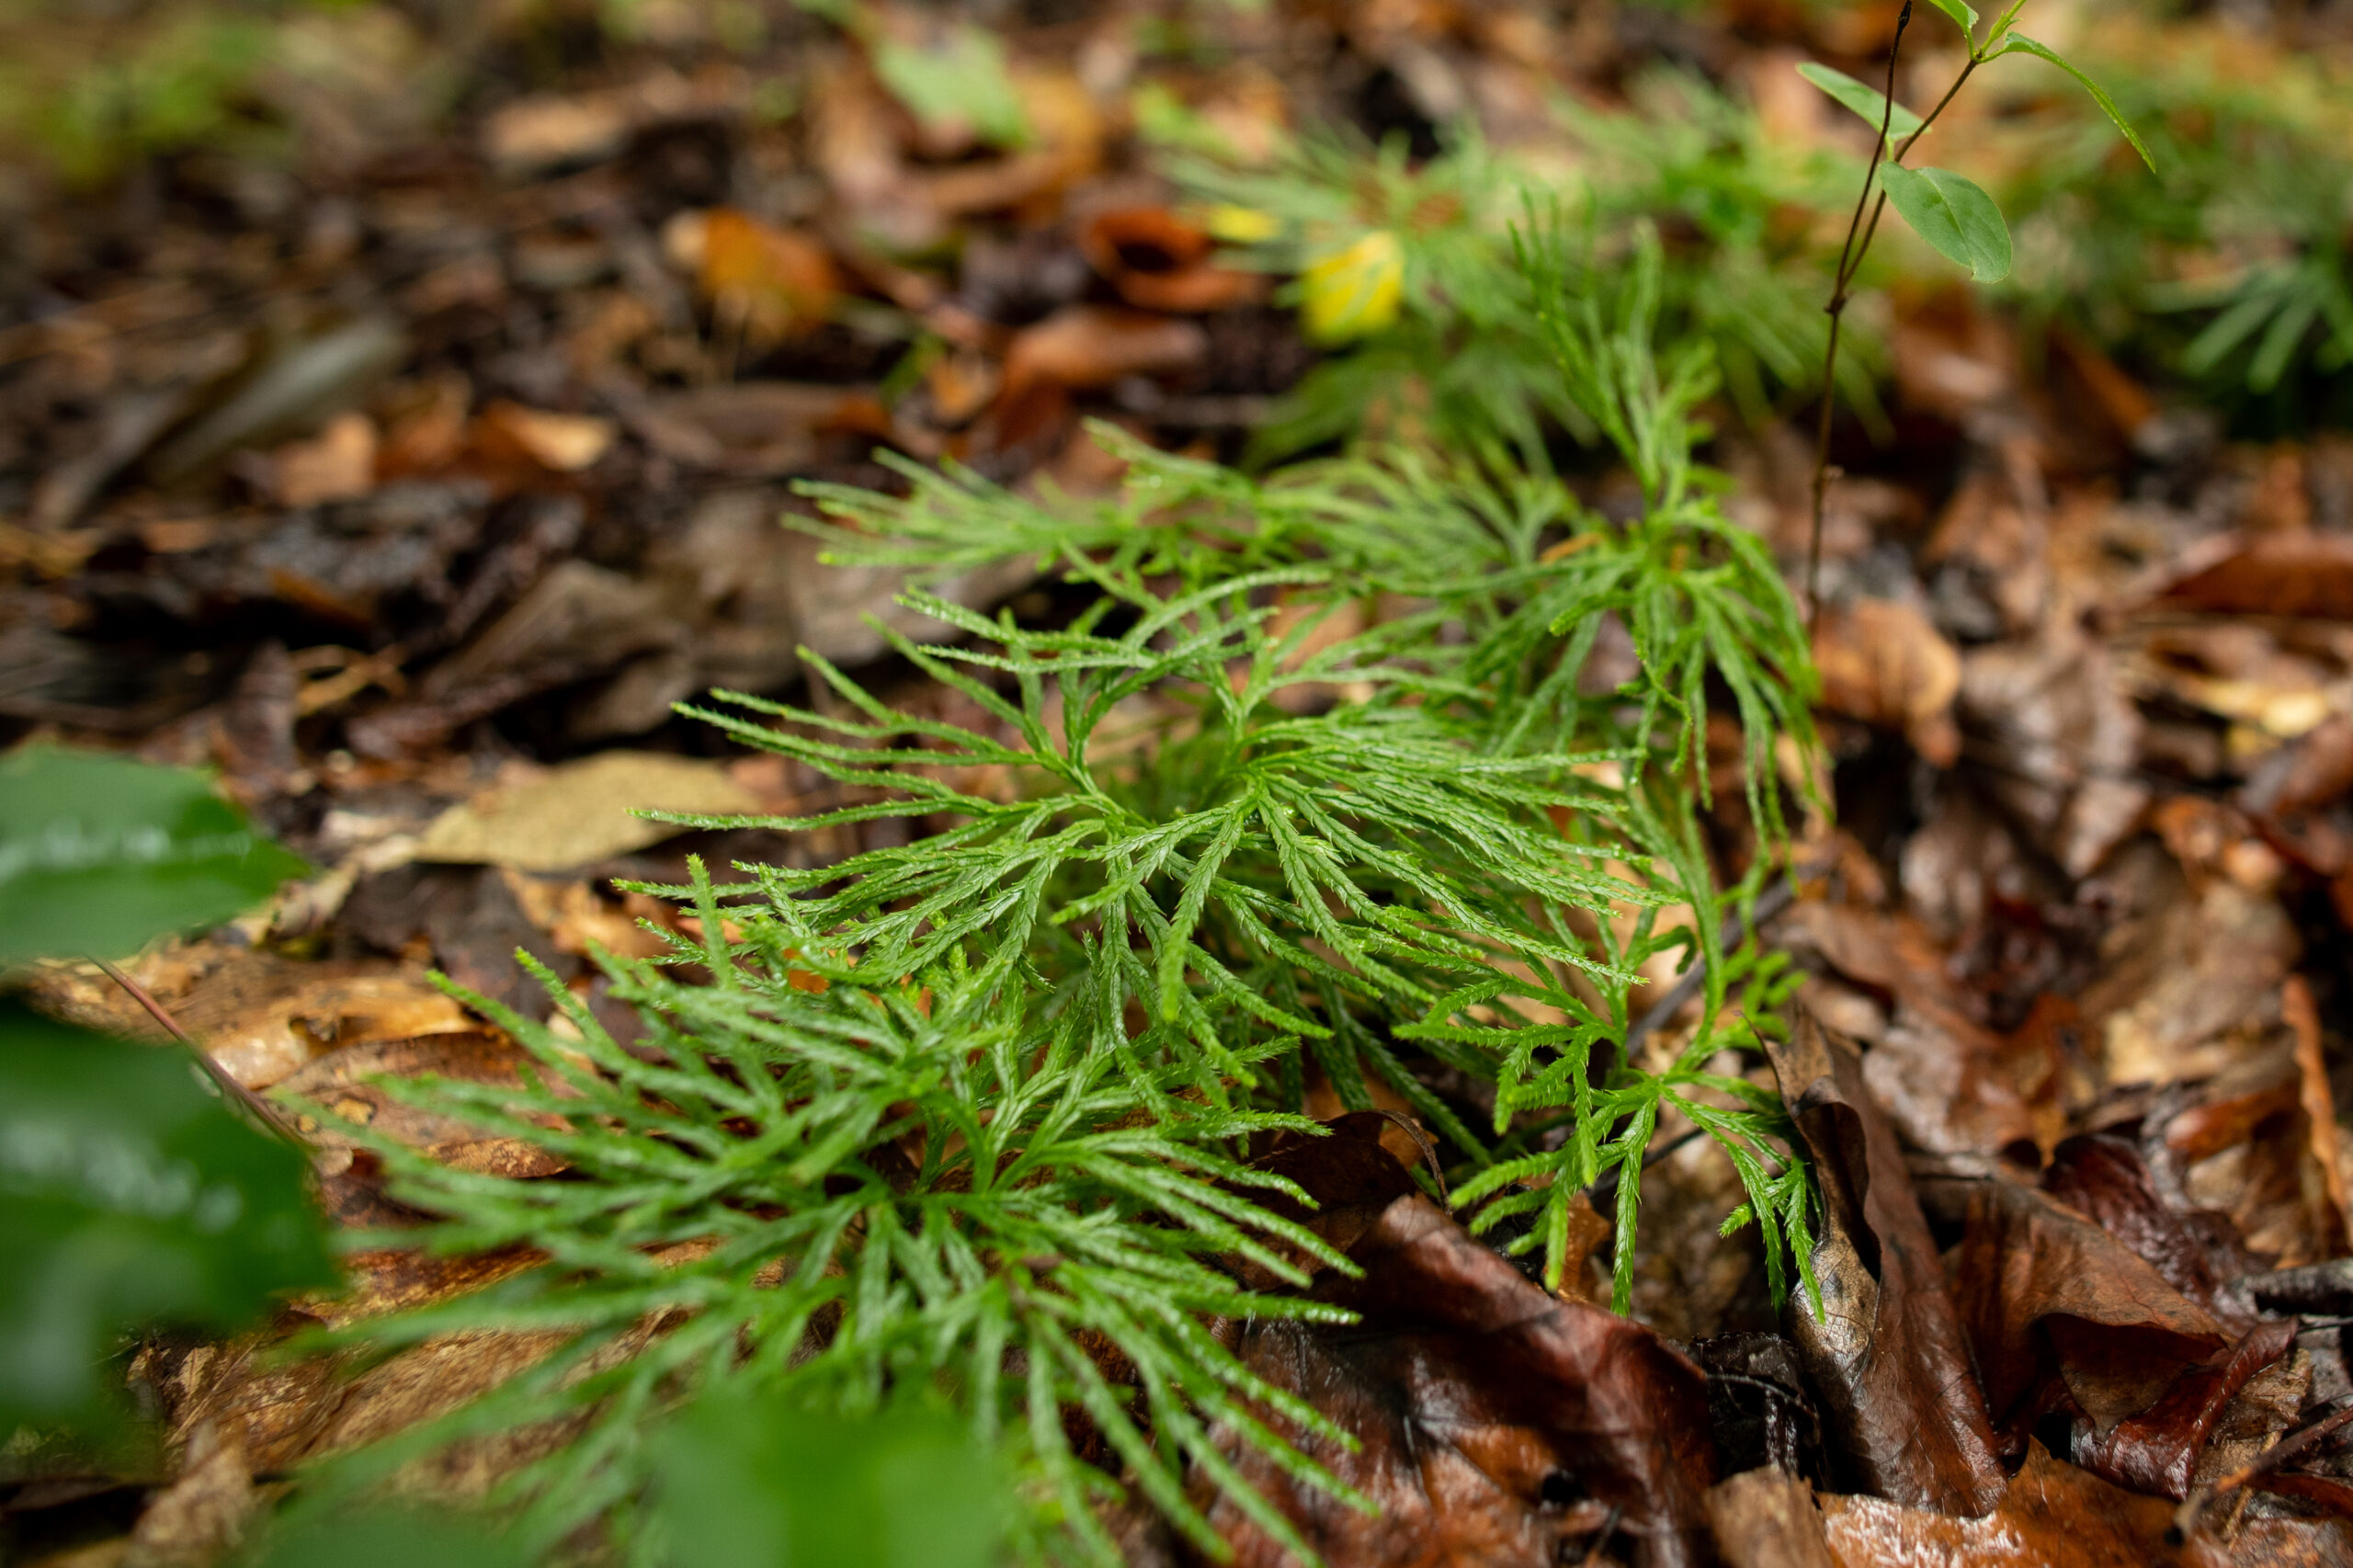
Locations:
{"points": [[1954, 215], [1867, 102], [100, 854], [2018, 43], [130, 1196]]}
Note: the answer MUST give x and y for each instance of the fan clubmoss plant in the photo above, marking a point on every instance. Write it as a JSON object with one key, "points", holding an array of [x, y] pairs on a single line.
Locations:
{"points": [[1317, 787]]}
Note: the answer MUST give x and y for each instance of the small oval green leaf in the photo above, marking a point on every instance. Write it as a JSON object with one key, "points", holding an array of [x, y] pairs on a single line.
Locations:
{"points": [[2018, 43], [1867, 101], [1963, 14], [1954, 215]]}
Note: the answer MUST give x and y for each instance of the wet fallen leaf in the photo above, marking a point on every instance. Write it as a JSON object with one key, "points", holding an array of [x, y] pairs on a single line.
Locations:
{"points": [[1498, 1424], [2105, 1179], [1768, 1518], [2157, 1450], [2050, 1515], [2046, 1291], [1888, 1355]]}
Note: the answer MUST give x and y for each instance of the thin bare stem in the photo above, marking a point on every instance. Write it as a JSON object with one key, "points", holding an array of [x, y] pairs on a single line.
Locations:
{"points": [[253, 1105], [1849, 258]]}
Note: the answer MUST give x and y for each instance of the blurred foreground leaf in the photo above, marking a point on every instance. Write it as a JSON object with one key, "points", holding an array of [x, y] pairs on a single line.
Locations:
{"points": [[100, 854], [385, 1537], [130, 1196], [749, 1483]]}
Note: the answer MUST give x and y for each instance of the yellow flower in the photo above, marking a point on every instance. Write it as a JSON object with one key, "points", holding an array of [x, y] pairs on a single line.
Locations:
{"points": [[1354, 292]]}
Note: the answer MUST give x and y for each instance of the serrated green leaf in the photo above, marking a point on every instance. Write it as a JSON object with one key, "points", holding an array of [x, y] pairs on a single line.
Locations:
{"points": [[1867, 102], [1964, 16], [2018, 43], [101, 854], [1953, 214], [744, 1483], [130, 1196]]}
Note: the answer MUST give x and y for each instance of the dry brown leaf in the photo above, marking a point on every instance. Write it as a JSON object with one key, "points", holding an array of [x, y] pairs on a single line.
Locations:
{"points": [[580, 812], [202, 1515], [2191, 980], [1883, 662], [560, 443], [1159, 262], [1086, 346], [2292, 572], [768, 283], [336, 464], [2068, 737]]}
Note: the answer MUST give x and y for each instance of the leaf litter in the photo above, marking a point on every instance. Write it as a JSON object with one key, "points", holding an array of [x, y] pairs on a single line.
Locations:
{"points": [[419, 557]]}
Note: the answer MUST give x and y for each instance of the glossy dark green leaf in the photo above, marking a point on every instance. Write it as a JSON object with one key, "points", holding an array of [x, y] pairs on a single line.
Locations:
{"points": [[1867, 102], [2018, 43], [1954, 215], [754, 1484], [101, 854], [130, 1196]]}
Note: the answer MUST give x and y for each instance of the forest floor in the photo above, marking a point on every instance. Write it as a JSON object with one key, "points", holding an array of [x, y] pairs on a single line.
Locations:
{"points": [[409, 483]]}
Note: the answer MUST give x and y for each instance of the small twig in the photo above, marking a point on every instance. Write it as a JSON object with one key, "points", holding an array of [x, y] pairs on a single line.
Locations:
{"points": [[252, 1102], [1601, 1540], [2236, 1485]]}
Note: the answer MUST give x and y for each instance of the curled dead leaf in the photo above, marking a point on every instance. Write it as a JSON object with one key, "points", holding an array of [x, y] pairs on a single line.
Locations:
{"points": [[1159, 262], [1888, 1355]]}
